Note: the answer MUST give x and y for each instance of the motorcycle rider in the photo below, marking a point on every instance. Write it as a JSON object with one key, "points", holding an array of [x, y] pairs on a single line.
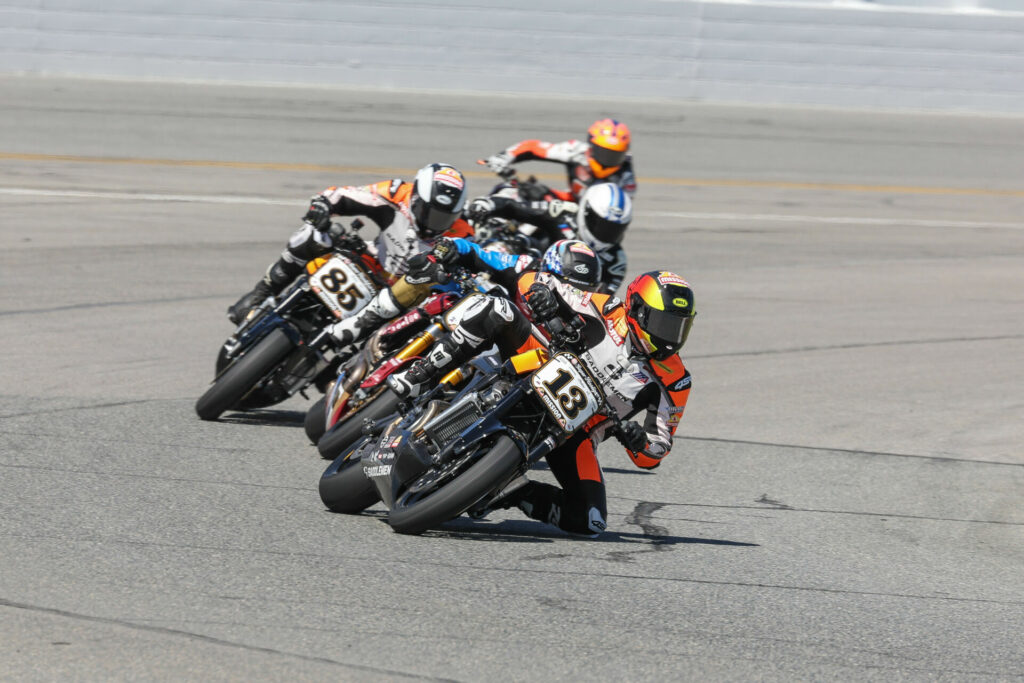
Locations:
{"points": [[410, 215], [631, 349], [604, 157], [600, 219]]}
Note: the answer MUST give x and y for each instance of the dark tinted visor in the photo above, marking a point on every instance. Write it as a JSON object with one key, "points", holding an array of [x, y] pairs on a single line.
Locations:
{"points": [[607, 158], [431, 220], [603, 229], [668, 327]]}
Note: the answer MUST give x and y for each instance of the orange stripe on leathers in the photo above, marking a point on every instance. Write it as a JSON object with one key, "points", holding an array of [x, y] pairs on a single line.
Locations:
{"points": [[586, 462]]}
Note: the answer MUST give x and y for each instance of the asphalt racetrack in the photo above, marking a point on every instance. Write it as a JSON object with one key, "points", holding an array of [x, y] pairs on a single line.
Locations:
{"points": [[844, 499]]}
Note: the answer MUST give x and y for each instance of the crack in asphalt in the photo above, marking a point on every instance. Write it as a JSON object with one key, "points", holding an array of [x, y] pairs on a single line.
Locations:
{"points": [[419, 562], [772, 505], [209, 639], [849, 451], [111, 304], [864, 345]]}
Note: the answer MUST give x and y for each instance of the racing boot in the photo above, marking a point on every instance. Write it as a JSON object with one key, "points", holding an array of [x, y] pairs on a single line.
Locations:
{"points": [[277, 278], [449, 352], [380, 310]]}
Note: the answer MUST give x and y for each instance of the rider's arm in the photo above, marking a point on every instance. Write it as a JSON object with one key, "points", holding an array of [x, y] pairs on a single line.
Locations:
{"points": [[664, 405], [503, 268], [550, 217], [539, 150], [376, 201]]}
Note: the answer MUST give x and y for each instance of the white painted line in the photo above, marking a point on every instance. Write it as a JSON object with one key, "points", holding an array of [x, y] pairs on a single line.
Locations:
{"points": [[840, 220], [138, 196], [692, 215]]}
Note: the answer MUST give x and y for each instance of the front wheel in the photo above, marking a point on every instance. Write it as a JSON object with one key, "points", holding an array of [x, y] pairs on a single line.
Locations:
{"points": [[455, 497], [238, 380], [350, 429], [344, 488]]}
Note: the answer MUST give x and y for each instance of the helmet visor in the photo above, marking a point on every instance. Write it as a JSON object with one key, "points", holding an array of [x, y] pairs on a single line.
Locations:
{"points": [[669, 330], [602, 229], [607, 158], [431, 220]]}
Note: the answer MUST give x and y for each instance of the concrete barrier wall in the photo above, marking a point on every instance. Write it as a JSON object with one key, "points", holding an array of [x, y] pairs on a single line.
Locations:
{"points": [[779, 52]]}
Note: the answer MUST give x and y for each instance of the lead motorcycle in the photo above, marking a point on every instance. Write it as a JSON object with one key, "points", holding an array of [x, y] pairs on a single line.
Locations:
{"points": [[281, 348], [445, 457]]}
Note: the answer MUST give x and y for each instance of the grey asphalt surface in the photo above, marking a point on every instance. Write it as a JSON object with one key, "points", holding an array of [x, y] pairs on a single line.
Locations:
{"points": [[843, 500]]}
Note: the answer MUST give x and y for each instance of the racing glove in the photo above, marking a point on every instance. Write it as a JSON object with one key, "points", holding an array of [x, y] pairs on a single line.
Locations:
{"points": [[632, 436], [542, 301], [500, 163], [445, 252], [422, 269], [319, 213]]}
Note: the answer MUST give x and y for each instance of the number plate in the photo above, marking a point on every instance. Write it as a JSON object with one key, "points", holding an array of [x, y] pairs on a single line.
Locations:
{"points": [[567, 390], [342, 286]]}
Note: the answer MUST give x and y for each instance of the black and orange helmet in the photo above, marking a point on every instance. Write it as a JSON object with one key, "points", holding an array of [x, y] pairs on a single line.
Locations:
{"points": [[659, 313], [609, 143]]}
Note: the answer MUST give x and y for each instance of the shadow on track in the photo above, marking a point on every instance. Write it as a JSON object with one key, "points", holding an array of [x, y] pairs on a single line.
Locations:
{"points": [[267, 418]]}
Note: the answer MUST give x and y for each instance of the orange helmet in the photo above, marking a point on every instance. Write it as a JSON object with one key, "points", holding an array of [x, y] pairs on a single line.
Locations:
{"points": [[659, 313], [609, 143]]}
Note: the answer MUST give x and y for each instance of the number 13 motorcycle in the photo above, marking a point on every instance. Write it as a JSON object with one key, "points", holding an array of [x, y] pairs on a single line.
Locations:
{"points": [[444, 458]]}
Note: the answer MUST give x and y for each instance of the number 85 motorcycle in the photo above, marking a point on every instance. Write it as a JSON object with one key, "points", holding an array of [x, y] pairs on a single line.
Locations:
{"points": [[282, 348], [445, 458]]}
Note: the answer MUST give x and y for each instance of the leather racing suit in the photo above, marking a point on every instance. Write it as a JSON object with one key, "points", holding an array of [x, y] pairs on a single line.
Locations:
{"points": [[573, 155]]}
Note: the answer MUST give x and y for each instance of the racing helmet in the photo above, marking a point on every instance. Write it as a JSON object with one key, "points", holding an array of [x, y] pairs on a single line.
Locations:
{"points": [[659, 313], [438, 195], [604, 214], [608, 144], [574, 262]]}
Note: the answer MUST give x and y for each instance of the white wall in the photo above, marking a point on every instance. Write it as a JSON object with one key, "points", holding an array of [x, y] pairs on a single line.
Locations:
{"points": [[788, 52]]}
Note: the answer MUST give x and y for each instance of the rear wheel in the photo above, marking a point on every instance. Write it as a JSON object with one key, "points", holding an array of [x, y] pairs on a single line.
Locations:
{"points": [[344, 487], [416, 514], [316, 423], [350, 429], [238, 380]]}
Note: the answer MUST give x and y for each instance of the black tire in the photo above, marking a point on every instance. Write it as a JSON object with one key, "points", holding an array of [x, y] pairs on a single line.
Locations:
{"points": [[315, 423], [238, 380], [451, 500], [348, 431], [344, 488]]}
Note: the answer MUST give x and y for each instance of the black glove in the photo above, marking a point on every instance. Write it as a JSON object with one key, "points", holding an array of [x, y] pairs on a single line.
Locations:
{"points": [[319, 213], [422, 270], [632, 436], [542, 301], [445, 252]]}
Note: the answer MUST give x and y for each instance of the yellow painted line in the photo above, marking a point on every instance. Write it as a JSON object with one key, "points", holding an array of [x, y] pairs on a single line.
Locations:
{"points": [[389, 171]]}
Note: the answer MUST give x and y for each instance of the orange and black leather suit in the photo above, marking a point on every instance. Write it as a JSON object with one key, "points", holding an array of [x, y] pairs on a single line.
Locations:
{"points": [[573, 155], [632, 382]]}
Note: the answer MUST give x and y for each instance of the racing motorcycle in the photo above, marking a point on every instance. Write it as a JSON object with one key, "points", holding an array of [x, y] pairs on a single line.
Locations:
{"points": [[281, 348], [447, 456]]}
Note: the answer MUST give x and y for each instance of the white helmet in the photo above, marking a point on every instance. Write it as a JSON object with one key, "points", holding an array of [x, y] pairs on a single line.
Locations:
{"points": [[439, 193], [605, 213]]}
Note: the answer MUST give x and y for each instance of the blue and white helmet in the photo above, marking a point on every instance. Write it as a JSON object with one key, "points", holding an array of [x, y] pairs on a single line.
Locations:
{"points": [[574, 262], [605, 213]]}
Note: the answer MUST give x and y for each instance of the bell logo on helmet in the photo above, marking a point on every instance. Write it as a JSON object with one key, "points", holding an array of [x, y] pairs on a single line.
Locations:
{"points": [[680, 302]]}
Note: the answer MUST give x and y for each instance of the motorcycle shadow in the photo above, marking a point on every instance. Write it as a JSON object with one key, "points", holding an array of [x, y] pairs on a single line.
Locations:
{"points": [[266, 418]]}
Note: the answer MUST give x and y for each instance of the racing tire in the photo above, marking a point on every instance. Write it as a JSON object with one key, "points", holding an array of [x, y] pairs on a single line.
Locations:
{"points": [[315, 424], [346, 432], [238, 380], [498, 466], [344, 488]]}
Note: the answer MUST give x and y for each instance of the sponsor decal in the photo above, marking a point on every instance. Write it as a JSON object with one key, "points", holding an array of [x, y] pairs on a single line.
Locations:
{"points": [[680, 302], [671, 279], [613, 332], [680, 385], [582, 249], [378, 471], [395, 184], [443, 200], [449, 176], [640, 377], [582, 268]]}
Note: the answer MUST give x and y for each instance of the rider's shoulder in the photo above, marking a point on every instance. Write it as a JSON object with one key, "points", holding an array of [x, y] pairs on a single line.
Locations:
{"points": [[395, 190], [672, 373]]}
